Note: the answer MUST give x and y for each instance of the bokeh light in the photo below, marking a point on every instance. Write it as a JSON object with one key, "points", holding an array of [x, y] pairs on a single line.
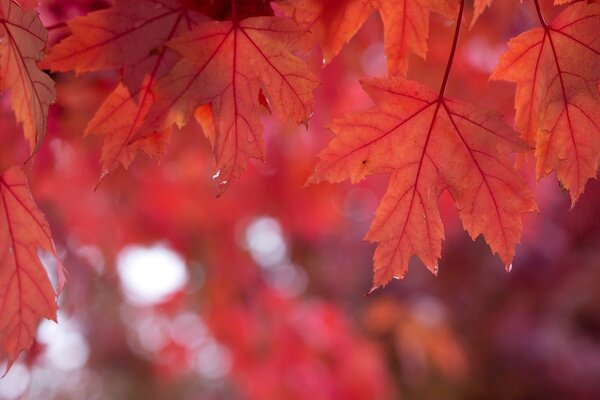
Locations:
{"points": [[150, 274]]}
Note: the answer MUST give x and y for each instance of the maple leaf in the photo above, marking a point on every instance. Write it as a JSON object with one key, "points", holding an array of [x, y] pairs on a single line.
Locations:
{"points": [[128, 36], [26, 294], [405, 22], [429, 143], [479, 7], [557, 72], [119, 120], [230, 65], [22, 42], [131, 35]]}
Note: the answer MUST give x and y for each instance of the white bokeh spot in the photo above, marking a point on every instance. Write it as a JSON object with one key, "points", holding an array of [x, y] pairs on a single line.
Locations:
{"points": [[150, 274], [265, 241]]}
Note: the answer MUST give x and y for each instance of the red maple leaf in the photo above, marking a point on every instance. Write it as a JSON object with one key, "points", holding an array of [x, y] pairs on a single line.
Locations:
{"points": [[26, 294], [406, 24], [22, 42], [557, 71], [130, 36], [145, 39], [429, 143], [230, 65]]}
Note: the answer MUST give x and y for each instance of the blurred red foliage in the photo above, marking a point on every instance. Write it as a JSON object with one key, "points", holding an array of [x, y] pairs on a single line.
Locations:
{"points": [[272, 300]]}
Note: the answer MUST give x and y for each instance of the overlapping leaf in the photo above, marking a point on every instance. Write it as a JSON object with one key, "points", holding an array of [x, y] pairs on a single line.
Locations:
{"points": [[22, 42], [119, 120], [557, 71], [405, 22], [26, 294], [130, 36], [479, 7], [230, 65], [428, 143], [127, 36]]}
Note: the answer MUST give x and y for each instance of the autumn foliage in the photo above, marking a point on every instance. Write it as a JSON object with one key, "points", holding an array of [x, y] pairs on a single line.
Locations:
{"points": [[147, 76]]}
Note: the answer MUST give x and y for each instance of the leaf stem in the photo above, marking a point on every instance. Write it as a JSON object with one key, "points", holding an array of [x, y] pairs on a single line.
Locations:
{"points": [[454, 45], [233, 13], [540, 15]]}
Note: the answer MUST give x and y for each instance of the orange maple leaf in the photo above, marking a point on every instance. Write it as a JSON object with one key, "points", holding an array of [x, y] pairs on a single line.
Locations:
{"points": [[406, 24], [22, 42], [229, 65], [429, 143], [557, 71], [131, 36], [26, 294]]}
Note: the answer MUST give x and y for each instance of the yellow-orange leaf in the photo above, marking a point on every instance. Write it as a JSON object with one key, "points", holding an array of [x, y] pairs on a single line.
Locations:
{"points": [[229, 64], [22, 42], [26, 294], [557, 71], [428, 143]]}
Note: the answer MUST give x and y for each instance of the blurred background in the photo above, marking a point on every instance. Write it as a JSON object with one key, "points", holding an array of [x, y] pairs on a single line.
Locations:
{"points": [[261, 293]]}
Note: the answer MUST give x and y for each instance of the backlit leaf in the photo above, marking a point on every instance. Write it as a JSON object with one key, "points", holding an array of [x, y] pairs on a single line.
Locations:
{"points": [[26, 295], [427, 144], [557, 71], [405, 23], [229, 64], [22, 42]]}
